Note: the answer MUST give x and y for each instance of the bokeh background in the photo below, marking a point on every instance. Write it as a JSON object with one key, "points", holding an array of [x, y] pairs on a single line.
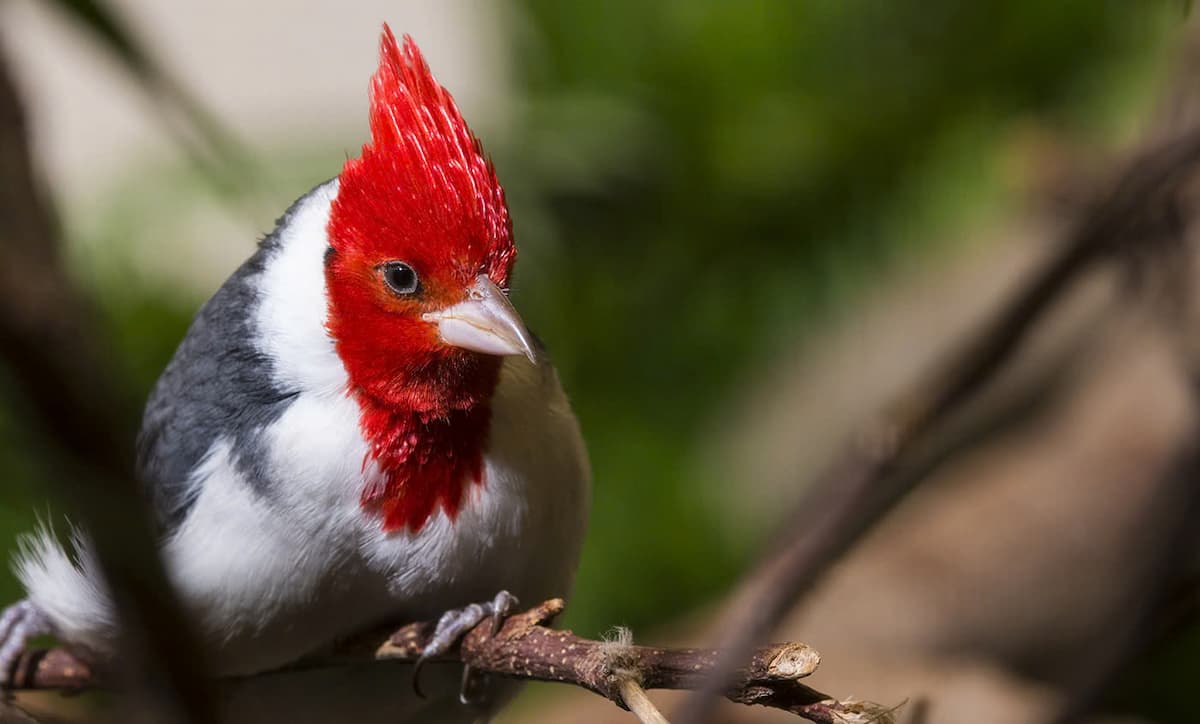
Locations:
{"points": [[742, 226]]}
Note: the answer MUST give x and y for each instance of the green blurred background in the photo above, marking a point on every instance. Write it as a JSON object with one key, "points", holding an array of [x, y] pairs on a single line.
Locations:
{"points": [[699, 190]]}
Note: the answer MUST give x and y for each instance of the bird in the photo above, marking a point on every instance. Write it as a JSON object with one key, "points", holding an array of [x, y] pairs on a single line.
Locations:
{"points": [[358, 428]]}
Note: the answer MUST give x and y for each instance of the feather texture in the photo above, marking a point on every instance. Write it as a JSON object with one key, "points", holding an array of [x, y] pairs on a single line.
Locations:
{"points": [[423, 193], [320, 461]]}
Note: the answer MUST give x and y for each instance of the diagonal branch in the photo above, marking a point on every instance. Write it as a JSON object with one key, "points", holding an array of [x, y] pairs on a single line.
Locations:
{"points": [[1137, 219], [526, 648], [53, 357]]}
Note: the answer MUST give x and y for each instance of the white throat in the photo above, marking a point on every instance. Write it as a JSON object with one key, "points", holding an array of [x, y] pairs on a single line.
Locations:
{"points": [[292, 314]]}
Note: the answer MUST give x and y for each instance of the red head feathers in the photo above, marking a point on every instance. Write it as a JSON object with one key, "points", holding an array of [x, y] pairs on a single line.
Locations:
{"points": [[418, 226], [423, 184]]}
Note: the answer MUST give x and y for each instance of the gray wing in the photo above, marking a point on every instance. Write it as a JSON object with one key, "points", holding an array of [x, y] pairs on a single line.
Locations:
{"points": [[218, 385]]}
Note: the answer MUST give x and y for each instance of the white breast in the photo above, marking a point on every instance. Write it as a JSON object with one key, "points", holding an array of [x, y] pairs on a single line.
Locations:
{"points": [[275, 572], [284, 566], [522, 529]]}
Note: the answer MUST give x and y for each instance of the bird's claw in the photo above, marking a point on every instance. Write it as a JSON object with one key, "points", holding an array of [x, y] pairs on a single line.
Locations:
{"points": [[453, 625], [19, 623]]}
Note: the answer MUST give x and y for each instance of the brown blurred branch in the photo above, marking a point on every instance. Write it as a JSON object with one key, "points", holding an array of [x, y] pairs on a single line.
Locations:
{"points": [[526, 648], [1136, 220], [50, 348], [1141, 617], [1164, 594]]}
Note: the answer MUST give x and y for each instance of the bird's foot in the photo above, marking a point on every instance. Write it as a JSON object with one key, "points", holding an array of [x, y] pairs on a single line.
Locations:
{"points": [[19, 623], [453, 625]]}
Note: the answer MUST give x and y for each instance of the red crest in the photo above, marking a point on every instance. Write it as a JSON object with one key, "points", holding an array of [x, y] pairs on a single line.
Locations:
{"points": [[423, 187], [422, 192]]}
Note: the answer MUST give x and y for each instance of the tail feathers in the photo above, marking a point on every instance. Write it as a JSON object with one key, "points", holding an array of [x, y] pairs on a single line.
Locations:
{"points": [[69, 590]]}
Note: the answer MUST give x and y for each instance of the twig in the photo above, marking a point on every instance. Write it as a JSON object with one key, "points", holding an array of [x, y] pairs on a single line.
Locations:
{"points": [[637, 702], [526, 648], [861, 485]]}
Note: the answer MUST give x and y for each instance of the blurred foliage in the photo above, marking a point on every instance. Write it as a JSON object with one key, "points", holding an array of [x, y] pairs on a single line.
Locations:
{"points": [[212, 149], [699, 184], [696, 187]]}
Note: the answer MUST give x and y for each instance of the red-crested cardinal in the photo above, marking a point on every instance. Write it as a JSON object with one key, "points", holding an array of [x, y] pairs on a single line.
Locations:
{"points": [[357, 429]]}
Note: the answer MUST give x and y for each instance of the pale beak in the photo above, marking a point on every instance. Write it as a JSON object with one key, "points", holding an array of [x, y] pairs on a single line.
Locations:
{"points": [[486, 322]]}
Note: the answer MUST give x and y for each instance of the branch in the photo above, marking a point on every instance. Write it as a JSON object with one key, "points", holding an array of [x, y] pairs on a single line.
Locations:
{"points": [[1137, 220], [526, 648], [59, 368]]}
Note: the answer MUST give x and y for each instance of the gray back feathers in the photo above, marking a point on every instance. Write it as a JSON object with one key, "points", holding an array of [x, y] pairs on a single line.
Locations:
{"points": [[217, 386]]}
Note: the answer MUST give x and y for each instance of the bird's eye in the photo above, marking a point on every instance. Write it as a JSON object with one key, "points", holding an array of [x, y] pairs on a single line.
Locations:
{"points": [[401, 278]]}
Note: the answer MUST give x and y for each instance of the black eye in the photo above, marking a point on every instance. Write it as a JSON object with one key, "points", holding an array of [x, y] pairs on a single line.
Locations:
{"points": [[400, 277]]}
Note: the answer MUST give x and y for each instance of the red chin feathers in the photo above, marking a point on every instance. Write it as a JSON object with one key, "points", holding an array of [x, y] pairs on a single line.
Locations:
{"points": [[425, 464], [423, 192]]}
